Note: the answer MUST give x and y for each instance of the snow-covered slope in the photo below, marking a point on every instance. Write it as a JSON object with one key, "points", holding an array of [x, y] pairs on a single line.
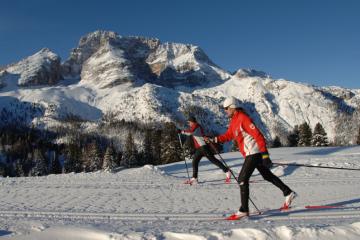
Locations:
{"points": [[41, 68], [152, 203], [282, 104], [142, 79]]}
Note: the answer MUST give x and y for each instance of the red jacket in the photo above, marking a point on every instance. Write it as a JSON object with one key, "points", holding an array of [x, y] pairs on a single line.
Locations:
{"points": [[243, 130], [197, 133]]}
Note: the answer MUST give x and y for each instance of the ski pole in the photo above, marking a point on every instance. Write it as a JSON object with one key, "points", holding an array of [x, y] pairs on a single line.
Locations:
{"points": [[181, 145], [306, 165], [232, 173]]}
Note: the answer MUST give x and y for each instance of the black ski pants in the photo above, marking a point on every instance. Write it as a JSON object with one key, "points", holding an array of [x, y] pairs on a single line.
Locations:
{"points": [[251, 162], [204, 151]]}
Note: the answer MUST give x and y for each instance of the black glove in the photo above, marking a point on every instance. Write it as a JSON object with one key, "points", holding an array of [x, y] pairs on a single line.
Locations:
{"points": [[266, 161], [178, 130], [209, 139]]}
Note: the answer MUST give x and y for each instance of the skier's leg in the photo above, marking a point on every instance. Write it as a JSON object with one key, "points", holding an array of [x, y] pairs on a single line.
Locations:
{"points": [[244, 176], [213, 159], [270, 177], [195, 163]]}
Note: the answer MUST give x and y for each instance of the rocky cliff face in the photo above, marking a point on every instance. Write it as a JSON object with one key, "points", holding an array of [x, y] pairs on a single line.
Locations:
{"points": [[144, 59], [88, 45], [107, 67], [42, 68]]}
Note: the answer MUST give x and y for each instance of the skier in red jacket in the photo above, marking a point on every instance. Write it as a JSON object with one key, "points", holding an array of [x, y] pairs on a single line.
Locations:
{"points": [[202, 149], [252, 146]]}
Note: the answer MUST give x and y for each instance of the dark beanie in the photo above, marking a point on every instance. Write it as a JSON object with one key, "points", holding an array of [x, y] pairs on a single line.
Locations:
{"points": [[192, 119]]}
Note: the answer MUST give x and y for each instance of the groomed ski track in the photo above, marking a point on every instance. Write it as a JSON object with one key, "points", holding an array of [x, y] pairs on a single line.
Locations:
{"points": [[154, 200], [291, 215]]}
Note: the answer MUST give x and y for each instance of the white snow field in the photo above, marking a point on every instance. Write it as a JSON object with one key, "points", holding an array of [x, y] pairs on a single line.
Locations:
{"points": [[153, 203]]}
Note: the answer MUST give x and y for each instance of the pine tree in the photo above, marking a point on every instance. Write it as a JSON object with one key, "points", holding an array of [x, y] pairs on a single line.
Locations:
{"points": [[2, 170], [293, 138], [148, 148], [55, 166], [129, 158], [276, 142], [109, 159], [358, 138], [91, 157], [305, 135], [170, 146], [40, 164], [156, 147], [319, 137], [19, 168], [72, 162]]}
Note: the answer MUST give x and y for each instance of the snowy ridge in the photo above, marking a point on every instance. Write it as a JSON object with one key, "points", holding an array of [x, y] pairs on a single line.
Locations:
{"points": [[281, 104], [41, 68]]}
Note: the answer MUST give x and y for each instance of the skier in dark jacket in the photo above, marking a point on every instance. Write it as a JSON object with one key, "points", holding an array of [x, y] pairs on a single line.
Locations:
{"points": [[202, 150], [252, 146]]}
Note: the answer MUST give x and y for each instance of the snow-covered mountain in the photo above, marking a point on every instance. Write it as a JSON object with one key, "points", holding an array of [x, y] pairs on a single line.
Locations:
{"points": [[41, 68], [142, 79]]}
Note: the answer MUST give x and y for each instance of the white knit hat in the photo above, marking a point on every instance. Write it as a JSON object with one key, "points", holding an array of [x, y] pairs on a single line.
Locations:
{"points": [[231, 102]]}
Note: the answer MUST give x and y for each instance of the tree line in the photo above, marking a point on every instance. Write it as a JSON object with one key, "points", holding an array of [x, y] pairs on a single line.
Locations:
{"points": [[32, 152], [303, 136], [115, 144]]}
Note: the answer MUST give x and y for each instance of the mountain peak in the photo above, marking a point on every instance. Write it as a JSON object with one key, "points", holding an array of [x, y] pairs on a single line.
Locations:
{"points": [[42, 67], [244, 73]]}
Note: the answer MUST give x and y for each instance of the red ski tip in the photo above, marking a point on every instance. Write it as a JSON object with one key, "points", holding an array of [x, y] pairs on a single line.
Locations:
{"points": [[237, 216], [233, 217], [284, 208], [321, 206]]}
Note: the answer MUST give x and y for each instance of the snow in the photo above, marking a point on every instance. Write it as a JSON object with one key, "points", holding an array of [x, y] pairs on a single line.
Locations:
{"points": [[106, 67], [280, 102], [151, 202], [29, 67]]}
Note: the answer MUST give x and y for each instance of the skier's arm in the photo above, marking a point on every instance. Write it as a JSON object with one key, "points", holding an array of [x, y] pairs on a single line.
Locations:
{"points": [[227, 136], [188, 132]]}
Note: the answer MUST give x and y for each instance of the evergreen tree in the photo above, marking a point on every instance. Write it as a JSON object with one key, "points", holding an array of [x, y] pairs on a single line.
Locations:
{"points": [[358, 138], [156, 147], [319, 137], [55, 166], [170, 146], [2, 170], [91, 157], [276, 142], [40, 164], [129, 158], [109, 159], [305, 135], [72, 161], [293, 138], [148, 148], [19, 168]]}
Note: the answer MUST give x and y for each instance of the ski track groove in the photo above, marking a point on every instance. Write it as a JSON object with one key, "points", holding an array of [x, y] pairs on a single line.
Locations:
{"points": [[216, 182], [296, 215]]}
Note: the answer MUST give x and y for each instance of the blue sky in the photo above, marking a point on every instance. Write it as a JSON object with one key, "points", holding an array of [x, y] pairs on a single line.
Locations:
{"points": [[311, 41]]}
